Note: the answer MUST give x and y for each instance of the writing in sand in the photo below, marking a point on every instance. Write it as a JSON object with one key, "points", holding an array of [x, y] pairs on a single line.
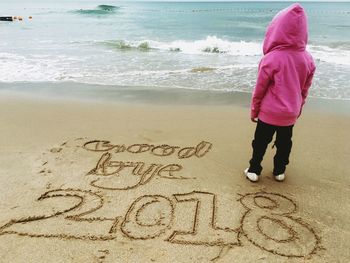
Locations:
{"points": [[190, 218]]}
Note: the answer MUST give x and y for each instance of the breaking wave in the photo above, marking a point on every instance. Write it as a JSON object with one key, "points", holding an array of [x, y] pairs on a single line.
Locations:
{"points": [[335, 54], [211, 44]]}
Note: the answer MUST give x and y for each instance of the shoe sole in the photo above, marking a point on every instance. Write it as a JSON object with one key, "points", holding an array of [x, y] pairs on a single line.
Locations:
{"points": [[277, 180]]}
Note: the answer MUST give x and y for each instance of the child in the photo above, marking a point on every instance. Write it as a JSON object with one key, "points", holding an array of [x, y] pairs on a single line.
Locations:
{"points": [[284, 78]]}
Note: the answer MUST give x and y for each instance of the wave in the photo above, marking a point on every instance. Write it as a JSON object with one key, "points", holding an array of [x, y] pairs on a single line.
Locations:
{"points": [[330, 82], [211, 44], [123, 45], [345, 45], [335, 53], [99, 10], [47, 68], [108, 7]]}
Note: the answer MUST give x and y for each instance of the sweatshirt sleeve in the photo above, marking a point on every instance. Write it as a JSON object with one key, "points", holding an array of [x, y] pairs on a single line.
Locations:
{"points": [[262, 83], [307, 85]]}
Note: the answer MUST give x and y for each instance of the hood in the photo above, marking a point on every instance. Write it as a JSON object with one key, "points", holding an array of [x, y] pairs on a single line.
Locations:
{"points": [[288, 29]]}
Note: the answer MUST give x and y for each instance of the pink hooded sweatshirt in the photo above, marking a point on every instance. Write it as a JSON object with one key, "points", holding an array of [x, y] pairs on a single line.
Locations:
{"points": [[286, 70]]}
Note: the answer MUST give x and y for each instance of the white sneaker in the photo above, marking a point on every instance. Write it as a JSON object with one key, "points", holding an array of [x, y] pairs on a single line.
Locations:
{"points": [[280, 177], [251, 176]]}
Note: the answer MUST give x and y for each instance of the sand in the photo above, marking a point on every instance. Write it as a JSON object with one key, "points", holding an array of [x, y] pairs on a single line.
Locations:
{"points": [[104, 182]]}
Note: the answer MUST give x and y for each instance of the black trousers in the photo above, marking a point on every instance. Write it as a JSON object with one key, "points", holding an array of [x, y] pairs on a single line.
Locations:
{"points": [[262, 137]]}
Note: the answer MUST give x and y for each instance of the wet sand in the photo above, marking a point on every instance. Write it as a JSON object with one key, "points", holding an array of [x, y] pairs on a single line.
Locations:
{"points": [[104, 182]]}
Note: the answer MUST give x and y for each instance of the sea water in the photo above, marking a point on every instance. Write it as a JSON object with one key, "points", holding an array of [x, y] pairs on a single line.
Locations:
{"points": [[108, 46]]}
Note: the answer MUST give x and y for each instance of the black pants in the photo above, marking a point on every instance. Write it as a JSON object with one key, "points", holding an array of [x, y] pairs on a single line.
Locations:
{"points": [[262, 137]]}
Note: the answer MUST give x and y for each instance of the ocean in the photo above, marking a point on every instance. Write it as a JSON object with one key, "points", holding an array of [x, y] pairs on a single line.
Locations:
{"points": [[101, 48]]}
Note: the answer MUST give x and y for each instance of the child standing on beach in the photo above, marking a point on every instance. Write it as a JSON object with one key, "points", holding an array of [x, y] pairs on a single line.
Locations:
{"points": [[284, 78]]}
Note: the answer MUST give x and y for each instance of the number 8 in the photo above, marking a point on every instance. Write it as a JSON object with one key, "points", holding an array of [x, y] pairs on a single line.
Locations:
{"points": [[269, 225]]}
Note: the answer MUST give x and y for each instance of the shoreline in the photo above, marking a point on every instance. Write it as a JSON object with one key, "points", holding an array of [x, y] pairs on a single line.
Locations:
{"points": [[162, 96]]}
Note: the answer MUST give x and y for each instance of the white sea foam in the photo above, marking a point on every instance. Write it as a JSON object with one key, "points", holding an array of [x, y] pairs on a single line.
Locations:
{"points": [[330, 55], [15, 67], [36, 68], [45, 68], [211, 44]]}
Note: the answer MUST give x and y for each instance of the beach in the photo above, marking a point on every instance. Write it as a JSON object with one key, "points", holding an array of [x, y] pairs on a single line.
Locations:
{"points": [[125, 130], [122, 182]]}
